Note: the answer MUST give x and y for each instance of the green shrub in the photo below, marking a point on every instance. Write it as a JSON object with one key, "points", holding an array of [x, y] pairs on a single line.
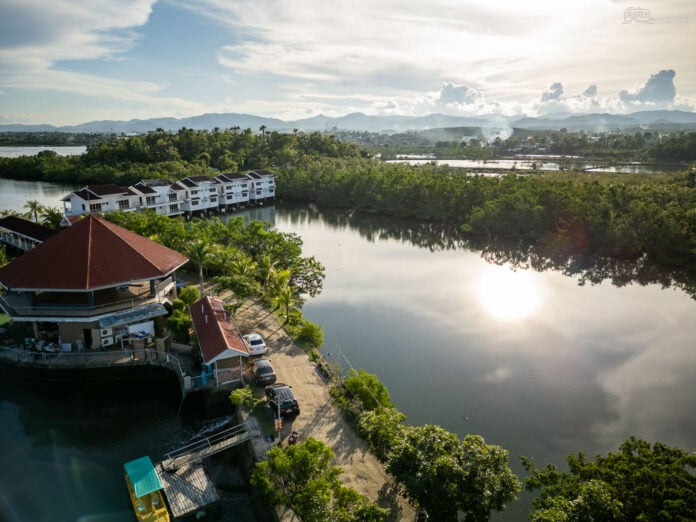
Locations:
{"points": [[189, 294], [311, 335], [243, 397]]}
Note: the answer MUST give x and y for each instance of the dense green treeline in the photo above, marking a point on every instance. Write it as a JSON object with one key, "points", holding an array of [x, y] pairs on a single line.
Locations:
{"points": [[577, 214], [58, 139], [174, 155]]}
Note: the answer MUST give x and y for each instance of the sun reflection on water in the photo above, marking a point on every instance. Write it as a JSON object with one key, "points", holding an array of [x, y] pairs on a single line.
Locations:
{"points": [[508, 295]]}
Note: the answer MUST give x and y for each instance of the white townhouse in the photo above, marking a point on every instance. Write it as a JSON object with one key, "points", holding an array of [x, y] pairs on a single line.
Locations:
{"points": [[200, 193], [233, 189], [100, 198], [159, 196], [262, 185]]}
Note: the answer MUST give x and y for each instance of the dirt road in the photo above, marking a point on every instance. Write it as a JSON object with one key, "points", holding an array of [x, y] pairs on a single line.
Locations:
{"points": [[319, 418]]}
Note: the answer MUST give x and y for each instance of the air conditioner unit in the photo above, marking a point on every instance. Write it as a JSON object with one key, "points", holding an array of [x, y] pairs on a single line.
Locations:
{"points": [[106, 332], [107, 341]]}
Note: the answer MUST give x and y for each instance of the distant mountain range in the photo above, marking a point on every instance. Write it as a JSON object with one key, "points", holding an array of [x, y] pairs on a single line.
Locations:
{"points": [[647, 120]]}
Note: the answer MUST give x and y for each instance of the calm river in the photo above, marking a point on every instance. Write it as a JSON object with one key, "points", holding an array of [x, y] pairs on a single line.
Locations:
{"points": [[532, 361]]}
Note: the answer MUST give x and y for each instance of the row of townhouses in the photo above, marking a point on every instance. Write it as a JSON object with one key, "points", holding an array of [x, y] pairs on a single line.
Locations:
{"points": [[193, 194]]}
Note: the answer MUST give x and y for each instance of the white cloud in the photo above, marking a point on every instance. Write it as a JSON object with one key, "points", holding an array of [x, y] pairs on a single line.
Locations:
{"points": [[658, 89], [376, 57]]}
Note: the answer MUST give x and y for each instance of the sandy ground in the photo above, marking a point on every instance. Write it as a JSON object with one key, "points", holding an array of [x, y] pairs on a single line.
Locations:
{"points": [[319, 418]]}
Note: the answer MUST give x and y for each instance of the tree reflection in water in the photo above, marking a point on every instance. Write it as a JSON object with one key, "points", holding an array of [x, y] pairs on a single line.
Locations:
{"points": [[562, 253]]}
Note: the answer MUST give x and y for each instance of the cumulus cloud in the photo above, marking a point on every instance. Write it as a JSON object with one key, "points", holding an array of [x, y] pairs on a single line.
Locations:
{"points": [[554, 92], [591, 91], [658, 89], [451, 93]]}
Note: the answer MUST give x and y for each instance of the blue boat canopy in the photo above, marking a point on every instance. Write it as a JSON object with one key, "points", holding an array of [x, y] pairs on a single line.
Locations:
{"points": [[143, 476]]}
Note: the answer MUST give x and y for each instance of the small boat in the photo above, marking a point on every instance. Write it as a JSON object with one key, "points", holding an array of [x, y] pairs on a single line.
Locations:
{"points": [[145, 490]]}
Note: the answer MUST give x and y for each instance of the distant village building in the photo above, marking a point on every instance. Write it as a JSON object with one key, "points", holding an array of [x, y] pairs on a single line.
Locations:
{"points": [[189, 196]]}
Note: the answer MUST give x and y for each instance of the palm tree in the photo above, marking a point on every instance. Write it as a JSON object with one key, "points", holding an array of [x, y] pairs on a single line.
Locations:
{"points": [[34, 209], [266, 269], [52, 217], [286, 301], [198, 253]]}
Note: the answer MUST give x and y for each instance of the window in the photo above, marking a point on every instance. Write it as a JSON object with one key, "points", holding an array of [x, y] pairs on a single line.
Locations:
{"points": [[258, 192], [150, 200], [172, 197], [173, 208], [193, 192], [123, 204], [195, 202], [245, 194], [95, 207]]}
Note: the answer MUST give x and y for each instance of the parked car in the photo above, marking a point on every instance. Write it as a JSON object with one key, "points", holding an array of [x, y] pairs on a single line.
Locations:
{"points": [[280, 395], [264, 372], [255, 344]]}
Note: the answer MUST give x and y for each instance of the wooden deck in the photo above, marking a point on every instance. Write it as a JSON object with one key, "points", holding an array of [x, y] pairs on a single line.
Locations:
{"points": [[187, 489]]}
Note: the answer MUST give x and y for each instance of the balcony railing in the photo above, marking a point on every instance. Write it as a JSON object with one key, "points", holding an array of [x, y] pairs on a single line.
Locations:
{"points": [[18, 305]]}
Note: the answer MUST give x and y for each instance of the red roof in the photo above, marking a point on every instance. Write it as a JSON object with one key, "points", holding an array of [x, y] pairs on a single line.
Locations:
{"points": [[217, 332], [91, 254]]}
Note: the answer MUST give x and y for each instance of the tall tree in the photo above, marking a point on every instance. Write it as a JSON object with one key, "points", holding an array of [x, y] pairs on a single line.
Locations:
{"points": [[198, 253], [34, 210], [447, 477], [302, 478]]}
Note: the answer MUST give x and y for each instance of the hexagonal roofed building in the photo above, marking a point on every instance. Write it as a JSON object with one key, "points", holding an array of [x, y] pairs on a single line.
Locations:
{"points": [[90, 285]]}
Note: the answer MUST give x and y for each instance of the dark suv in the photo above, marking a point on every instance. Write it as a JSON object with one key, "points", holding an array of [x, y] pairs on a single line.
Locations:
{"points": [[264, 372], [282, 394]]}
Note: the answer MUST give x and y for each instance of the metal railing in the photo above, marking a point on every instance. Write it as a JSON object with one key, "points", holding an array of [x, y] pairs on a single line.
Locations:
{"points": [[208, 446], [12, 303], [88, 359]]}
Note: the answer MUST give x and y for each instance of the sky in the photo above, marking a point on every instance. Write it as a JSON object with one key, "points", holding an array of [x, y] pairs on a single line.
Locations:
{"points": [[65, 62]]}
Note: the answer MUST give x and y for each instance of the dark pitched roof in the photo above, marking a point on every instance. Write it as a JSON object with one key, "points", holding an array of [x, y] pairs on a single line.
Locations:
{"points": [[96, 192], [261, 172], [218, 336], [187, 182], [26, 228], [230, 176], [93, 253], [198, 179], [145, 189]]}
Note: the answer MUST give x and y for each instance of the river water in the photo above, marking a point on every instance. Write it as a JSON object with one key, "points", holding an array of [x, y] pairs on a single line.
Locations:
{"points": [[535, 361]]}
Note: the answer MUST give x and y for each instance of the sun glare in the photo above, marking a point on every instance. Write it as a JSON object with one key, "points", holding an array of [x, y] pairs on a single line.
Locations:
{"points": [[507, 295]]}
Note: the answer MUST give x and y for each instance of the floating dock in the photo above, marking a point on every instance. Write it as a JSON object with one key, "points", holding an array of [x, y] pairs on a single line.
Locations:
{"points": [[186, 484], [188, 488]]}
